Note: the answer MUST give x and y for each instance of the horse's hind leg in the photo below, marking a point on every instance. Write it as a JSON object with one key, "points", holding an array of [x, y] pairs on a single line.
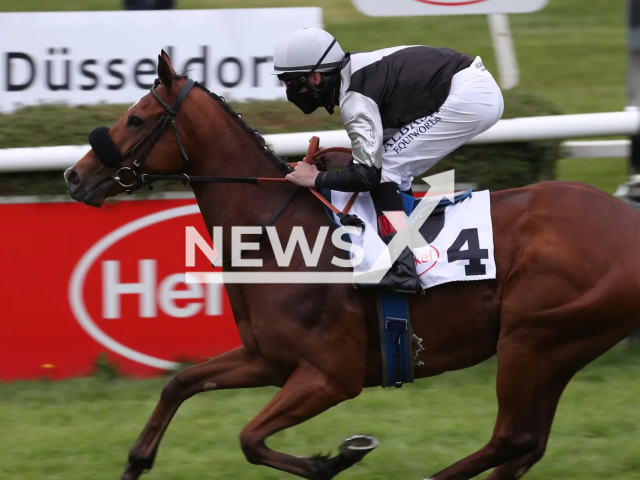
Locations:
{"points": [[307, 393], [523, 382], [235, 369], [515, 469], [580, 353]]}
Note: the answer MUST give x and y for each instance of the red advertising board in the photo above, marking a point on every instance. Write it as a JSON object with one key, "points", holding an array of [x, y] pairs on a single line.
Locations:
{"points": [[78, 282]]}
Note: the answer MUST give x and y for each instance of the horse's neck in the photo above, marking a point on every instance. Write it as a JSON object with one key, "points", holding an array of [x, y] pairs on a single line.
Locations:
{"points": [[224, 149]]}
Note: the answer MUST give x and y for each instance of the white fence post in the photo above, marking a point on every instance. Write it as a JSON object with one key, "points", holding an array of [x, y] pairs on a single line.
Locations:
{"points": [[505, 50]]}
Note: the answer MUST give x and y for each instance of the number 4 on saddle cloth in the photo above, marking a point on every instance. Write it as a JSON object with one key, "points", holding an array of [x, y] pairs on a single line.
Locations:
{"points": [[459, 238]]}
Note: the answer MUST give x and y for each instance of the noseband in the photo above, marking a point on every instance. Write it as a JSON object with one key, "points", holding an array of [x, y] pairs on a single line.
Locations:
{"points": [[109, 153]]}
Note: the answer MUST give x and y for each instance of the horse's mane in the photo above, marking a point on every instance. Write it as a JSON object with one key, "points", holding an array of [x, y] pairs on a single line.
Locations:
{"points": [[252, 133]]}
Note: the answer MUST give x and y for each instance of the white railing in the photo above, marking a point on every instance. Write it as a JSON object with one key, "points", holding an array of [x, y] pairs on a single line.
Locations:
{"points": [[625, 123], [597, 149]]}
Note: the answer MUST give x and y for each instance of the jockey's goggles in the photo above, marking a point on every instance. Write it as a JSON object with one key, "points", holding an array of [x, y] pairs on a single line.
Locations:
{"points": [[294, 84]]}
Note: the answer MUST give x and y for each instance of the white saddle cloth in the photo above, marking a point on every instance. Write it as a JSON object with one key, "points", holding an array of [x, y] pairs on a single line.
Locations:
{"points": [[462, 251]]}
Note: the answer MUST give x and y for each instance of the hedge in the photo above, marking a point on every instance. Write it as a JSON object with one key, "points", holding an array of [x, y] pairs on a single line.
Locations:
{"points": [[489, 166]]}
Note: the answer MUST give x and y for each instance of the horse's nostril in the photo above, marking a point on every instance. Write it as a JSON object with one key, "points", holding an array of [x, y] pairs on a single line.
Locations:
{"points": [[72, 178]]}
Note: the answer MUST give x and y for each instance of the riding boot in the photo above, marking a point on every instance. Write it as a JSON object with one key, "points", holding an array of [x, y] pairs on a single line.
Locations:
{"points": [[402, 276]]}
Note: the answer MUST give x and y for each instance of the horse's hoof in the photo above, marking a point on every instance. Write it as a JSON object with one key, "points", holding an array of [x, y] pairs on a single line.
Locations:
{"points": [[356, 447], [132, 472]]}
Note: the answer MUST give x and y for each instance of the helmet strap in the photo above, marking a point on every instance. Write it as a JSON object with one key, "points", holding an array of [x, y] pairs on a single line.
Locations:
{"points": [[324, 96], [326, 52]]}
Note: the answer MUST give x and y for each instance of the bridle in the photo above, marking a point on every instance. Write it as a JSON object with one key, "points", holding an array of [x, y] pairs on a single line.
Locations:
{"points": [[168, 118], [109, 154], [127, 177]]}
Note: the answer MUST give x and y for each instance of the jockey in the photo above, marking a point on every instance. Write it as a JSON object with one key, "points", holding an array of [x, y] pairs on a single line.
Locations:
{"points": [[404, 108]]}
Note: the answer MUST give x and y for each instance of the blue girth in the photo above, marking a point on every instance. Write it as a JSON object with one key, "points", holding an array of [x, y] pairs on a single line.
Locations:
{"points": [[395, 339]]}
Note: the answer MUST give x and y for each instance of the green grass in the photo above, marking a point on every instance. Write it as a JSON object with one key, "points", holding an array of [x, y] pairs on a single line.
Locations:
{"points": [[82, 429], [605, 173]]}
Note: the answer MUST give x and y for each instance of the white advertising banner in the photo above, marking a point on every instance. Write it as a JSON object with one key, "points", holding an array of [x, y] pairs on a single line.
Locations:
{"points": [[94, 57], [397, 8]]}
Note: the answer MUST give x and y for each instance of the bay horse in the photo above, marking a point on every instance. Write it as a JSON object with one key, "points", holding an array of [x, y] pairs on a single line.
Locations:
{"points": [[567, 290]]}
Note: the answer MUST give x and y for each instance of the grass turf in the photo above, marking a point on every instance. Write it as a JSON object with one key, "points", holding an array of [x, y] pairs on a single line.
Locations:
{"points": [[82, 429], [605, 173]]}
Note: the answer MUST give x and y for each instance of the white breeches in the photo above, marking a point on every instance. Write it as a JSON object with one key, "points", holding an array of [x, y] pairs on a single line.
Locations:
{"points": [[473, 106]]}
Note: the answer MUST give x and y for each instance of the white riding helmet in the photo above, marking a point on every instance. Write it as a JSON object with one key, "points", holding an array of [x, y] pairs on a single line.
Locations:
{"points": [[303, 49]]}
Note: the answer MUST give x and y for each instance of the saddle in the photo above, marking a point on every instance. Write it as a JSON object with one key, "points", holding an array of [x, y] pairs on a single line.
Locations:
{"points": [[330, 158]]}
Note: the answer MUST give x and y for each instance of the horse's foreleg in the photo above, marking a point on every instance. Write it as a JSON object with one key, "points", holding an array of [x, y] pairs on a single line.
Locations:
{"points": [[235, 369], [522, 384], [307, 393]]}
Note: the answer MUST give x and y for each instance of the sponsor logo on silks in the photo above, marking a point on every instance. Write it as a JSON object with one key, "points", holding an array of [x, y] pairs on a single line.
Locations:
{"points": [[426, 258], [403, 137], [451, 3], [480, 66]]}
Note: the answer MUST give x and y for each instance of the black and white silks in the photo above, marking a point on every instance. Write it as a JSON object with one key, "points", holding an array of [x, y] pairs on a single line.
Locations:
{"points": [[385, 90]]}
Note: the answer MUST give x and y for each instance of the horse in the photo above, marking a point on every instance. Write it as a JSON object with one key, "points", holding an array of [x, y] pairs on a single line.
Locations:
{"points": [[566, 291]]}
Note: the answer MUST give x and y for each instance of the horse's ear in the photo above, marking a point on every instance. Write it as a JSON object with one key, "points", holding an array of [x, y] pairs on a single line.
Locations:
{"points": [[165, 70]]}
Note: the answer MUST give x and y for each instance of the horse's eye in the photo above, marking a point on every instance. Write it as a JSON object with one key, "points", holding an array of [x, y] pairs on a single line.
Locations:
{"points": [[134, 121]]}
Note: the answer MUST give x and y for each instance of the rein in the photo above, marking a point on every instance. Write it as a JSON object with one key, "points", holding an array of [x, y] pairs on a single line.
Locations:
{"points": [[109, 154], [186, 179], [148, 178]]}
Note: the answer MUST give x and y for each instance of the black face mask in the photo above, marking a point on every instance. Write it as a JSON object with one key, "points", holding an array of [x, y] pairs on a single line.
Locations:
{"points": [[314, 97], [320, 96], [306, 101]]}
